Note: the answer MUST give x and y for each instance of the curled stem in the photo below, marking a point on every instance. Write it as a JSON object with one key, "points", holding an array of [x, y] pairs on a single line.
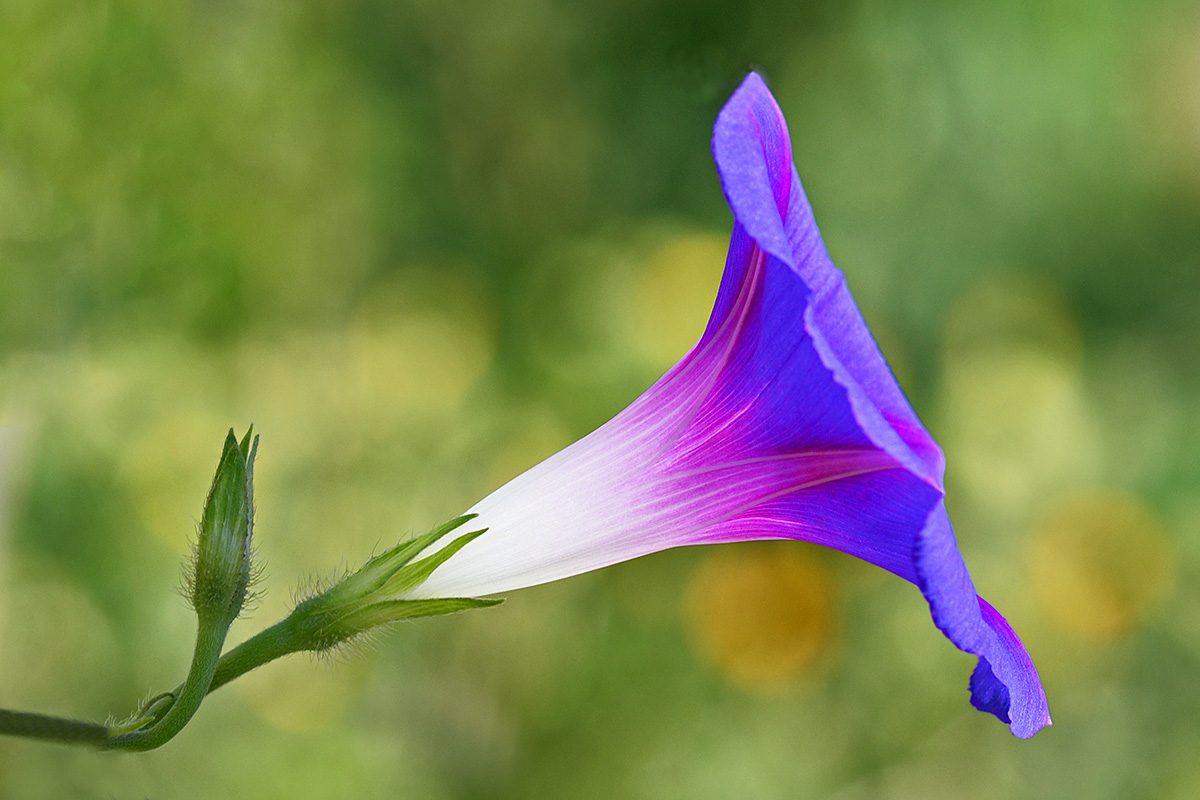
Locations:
{"points": [[187, 699]]}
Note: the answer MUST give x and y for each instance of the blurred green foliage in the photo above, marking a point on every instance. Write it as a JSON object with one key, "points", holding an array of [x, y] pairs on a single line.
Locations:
{"points": [[422, 245]]}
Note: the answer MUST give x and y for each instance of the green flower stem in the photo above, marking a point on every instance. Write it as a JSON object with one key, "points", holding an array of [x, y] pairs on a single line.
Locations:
{"points": [[367, 599], [310, 626], [55, 729], [209, 641], [283, 638], [217, 581], [167, 714]]}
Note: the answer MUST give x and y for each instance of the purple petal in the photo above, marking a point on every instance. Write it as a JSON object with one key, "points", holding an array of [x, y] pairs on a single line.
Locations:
{"points": [[1005, 666], [754, 159], [1005, 681], [750, 144]]}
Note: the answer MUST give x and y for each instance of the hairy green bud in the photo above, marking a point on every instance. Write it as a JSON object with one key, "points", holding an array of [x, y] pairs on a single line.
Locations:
{"points": [[220, 573]]}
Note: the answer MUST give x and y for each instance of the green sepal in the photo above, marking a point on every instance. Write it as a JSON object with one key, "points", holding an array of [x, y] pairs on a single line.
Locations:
{"points": [[374, 594], [374, 575], [413, 575], [388, 611]]}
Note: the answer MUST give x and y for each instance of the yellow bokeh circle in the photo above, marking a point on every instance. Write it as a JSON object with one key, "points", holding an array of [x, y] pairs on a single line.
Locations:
{"points": [[675, 290], [761, 614], [1100, 563]]}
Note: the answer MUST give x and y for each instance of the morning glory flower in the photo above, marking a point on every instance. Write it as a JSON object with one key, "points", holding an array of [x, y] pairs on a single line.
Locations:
{"points": [[782, 422]]}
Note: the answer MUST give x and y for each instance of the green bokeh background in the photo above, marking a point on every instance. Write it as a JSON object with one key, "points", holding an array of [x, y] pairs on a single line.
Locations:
{"points": [[422, 245]]}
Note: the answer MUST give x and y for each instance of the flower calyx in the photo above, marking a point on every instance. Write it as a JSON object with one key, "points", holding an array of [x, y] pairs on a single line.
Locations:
{"points": [[376, 593]]}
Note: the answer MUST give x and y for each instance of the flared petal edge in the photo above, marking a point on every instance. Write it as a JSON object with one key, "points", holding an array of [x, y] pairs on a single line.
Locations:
{"points": [[1006, 667], [1005, 682], [752, 150]]}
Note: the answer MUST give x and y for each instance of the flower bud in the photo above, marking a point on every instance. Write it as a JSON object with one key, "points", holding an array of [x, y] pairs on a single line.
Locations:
{"points": [[219, 576]]}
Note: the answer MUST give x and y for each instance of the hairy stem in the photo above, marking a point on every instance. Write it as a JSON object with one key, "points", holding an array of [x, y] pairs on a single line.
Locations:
{"points": [[281, 639]]}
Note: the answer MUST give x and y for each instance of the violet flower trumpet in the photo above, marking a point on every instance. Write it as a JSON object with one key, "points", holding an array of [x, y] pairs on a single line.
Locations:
{"points": [[782, 422]]}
